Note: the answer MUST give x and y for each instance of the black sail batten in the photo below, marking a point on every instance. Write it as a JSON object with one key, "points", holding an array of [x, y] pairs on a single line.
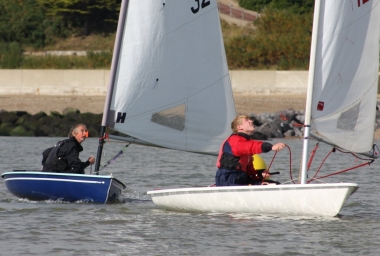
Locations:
{"points": [[114, 65]]}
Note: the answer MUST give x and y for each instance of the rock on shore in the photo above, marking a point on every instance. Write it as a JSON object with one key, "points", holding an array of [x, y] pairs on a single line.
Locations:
{"points": [[21, 123], [287, 123]]}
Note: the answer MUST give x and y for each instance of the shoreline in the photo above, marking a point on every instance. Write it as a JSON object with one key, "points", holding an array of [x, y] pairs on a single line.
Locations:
{"points": [[245, 104]]}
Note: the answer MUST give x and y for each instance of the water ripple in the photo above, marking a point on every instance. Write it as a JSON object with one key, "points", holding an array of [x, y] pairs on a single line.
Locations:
{"points": [[137, 227]]}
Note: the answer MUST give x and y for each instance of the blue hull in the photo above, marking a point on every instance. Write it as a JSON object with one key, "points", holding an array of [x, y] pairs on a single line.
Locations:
{"points": [[68, 187]]}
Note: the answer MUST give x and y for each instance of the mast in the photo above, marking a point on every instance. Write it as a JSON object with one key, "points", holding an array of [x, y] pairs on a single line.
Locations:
{"points": [[114, 65], [309, 95]]}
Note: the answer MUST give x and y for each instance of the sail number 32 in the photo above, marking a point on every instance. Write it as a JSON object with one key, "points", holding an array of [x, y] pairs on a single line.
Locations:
{"points": [[200, 5]]}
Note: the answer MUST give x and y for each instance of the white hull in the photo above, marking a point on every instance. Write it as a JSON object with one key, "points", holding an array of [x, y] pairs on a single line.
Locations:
{"points": [[302, 200]]}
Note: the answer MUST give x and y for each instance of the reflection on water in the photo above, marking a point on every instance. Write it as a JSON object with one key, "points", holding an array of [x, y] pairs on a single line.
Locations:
{"points": [[138, 227]]}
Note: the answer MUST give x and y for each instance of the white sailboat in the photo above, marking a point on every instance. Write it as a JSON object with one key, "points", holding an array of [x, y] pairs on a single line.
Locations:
{"points": [[170, 88]]}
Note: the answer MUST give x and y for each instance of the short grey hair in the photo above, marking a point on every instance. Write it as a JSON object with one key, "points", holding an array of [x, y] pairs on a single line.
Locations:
{"points": [[73, 129]]}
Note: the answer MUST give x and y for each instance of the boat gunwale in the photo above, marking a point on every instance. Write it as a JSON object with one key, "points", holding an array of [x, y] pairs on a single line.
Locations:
{"points": [[199, 190], [63, 175]]}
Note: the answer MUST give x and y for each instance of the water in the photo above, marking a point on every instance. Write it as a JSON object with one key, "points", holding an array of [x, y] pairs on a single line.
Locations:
{"points": [[138, 227]]}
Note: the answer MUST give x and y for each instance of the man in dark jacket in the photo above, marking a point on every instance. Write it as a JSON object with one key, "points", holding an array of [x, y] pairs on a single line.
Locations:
{"points": [[64, 156]]}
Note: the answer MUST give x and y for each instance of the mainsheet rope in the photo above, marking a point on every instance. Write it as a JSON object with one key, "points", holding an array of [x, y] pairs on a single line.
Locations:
{"points": [[334, 149]]}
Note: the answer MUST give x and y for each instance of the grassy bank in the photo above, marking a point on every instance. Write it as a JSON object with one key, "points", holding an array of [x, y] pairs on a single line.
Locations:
{"points": [[269, 43]]}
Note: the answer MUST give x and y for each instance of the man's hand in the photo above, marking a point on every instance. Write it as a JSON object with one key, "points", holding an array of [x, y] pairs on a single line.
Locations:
{"points": [[91, 159], [277, 147]]}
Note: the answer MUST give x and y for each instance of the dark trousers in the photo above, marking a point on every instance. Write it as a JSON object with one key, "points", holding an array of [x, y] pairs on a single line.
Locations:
{"points": [[226, 177]]}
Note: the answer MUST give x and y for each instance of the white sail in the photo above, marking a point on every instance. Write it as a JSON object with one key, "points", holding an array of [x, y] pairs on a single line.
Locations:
{"points": [[346, 74], [172, 85]]}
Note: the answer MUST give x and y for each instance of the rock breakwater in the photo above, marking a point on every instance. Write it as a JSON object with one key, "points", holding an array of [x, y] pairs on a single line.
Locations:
{"points": [[21, 123], [281, 124]]}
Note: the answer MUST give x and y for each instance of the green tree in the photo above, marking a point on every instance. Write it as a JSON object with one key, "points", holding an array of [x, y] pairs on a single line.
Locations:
{"points": [[254, 5], [282, 41], [22, 21], [297, 6], [90, 14]]}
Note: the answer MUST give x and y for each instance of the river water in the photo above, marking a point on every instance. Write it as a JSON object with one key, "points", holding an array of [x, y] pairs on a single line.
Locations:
{"points": [[138, 227]]}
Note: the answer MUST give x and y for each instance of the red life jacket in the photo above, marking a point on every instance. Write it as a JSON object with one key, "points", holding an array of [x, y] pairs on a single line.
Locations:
{"points": [[236, 153]]}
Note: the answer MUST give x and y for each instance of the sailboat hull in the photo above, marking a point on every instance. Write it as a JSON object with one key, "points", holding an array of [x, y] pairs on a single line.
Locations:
{"points": [[302, 200], [41, 186]]}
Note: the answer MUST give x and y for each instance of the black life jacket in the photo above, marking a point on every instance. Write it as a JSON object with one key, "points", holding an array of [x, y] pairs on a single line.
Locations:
{"points": [[53, 162], [229, 162], [45, 154]]}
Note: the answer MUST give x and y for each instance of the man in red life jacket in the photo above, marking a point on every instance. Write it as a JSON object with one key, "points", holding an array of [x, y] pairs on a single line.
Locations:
{"points": [[235, 155]]}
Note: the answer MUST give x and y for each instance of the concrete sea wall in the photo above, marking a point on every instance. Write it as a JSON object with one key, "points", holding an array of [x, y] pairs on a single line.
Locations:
{"points": [[53, 82]]}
